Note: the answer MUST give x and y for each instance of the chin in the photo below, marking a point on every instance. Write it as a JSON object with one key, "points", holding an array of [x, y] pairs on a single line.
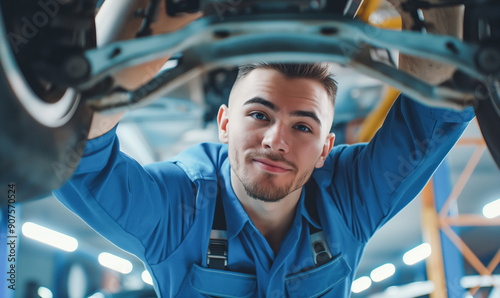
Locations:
{"points": [[268, 198], [267, 191]]}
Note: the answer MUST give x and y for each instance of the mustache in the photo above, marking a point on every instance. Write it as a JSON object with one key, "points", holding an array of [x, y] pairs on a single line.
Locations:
{"points": [[276, 157]]}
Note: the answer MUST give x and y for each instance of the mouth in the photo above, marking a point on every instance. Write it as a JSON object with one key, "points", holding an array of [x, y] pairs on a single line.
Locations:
{"points": [[271, 166]]}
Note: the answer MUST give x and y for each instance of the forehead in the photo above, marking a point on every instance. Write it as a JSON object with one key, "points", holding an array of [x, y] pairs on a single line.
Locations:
{"points": [[282, 90]]}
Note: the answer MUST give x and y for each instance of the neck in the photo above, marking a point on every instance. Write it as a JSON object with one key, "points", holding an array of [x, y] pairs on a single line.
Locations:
{"points": [[272, 219]]}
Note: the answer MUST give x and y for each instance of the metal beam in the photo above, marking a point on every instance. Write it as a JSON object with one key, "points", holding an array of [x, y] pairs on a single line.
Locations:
{"points": [[443, 260], [431, 235]]}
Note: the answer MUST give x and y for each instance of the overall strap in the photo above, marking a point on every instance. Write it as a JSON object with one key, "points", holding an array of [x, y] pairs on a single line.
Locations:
{"points": [[319, 247], [217, 246]]}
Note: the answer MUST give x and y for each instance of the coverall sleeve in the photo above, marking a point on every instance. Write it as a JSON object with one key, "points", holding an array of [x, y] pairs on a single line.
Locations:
{"points": [[145, 212], [371, 182]]}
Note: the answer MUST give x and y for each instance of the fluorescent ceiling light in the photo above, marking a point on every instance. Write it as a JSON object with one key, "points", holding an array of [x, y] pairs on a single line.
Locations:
{"points": [[471, 281], [146, 277], [49, 237], [114, 262], [414, 289], [382, 272], [361, 284], [417, 254], [43, 292], [492, 209]]}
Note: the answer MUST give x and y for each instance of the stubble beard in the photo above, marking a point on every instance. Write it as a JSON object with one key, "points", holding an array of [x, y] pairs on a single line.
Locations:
{"points": [[262, 187]]}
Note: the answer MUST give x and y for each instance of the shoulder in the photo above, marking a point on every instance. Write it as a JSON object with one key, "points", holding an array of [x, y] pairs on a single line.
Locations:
{"points": [[408, 106], [202, 161], [341, 157]]}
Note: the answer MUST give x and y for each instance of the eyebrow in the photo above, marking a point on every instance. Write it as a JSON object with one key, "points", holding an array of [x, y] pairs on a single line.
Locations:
{"points": [[263, 102], [270, 105], [307, 114]]}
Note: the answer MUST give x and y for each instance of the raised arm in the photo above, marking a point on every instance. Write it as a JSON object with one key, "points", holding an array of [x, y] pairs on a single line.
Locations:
{"points": [[372, 182], [115, 21], [131, 205]]}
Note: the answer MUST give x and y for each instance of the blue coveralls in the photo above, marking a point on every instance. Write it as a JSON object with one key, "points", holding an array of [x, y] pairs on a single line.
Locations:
{"points": [[163, 212]]}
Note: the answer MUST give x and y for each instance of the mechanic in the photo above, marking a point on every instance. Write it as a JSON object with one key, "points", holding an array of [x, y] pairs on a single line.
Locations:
{"points": [[292, 213]]}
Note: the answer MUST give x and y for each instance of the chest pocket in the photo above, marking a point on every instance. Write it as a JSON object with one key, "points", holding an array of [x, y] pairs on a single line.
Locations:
{"points": [[319, 281], [221, 283]]}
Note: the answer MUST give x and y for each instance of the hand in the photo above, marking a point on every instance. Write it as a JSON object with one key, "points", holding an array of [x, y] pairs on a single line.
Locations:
{"points": [[116, 20], [443, 21]]}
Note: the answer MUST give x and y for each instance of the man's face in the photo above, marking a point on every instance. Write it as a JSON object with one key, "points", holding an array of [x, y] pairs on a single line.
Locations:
{"points": [[277, 130]]}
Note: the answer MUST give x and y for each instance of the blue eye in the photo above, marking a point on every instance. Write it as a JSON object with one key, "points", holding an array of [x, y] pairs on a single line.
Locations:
{"points": [[303, 128], [258, 116]]}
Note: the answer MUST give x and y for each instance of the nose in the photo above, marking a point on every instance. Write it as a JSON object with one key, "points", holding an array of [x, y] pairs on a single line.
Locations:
{"points": [[275, 138]]}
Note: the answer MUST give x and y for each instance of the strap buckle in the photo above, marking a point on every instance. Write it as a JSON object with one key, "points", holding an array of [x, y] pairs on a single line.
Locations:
{"points": [[320, 250], [217, 250]]}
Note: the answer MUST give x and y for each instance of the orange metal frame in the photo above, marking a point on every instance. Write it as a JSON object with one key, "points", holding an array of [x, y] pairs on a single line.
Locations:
{"points": [[433, 222]]}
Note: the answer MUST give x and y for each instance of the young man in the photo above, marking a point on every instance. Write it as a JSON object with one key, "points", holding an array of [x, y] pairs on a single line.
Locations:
{"points": [[288, 213]]}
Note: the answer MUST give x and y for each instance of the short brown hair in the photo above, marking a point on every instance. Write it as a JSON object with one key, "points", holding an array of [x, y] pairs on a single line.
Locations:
{"points": [[316, 71]]}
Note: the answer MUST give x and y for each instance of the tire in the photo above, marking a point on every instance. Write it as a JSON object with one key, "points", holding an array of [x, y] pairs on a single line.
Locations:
{"points": [[483, 27], [44, 126], [488, 119]]}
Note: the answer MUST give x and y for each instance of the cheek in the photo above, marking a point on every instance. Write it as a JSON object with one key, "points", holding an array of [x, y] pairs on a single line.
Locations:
{"points": [[309, 154], [246, 136], [238, 144]]}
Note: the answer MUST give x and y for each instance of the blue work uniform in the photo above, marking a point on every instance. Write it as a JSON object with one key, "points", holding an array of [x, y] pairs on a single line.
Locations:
{"points": [[163, 212]]}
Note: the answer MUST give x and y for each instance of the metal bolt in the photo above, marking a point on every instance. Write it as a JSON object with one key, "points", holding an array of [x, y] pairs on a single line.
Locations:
{"points": [[76, 67], [488, 59], [329, 30], [452, 47], [221, 33]]}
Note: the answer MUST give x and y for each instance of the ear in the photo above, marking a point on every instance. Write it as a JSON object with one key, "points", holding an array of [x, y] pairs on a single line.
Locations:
{"points": [[327, 147], [222, 121]]}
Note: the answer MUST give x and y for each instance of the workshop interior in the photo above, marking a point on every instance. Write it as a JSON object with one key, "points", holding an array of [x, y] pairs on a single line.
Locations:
{"points": [[446, 241]]}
